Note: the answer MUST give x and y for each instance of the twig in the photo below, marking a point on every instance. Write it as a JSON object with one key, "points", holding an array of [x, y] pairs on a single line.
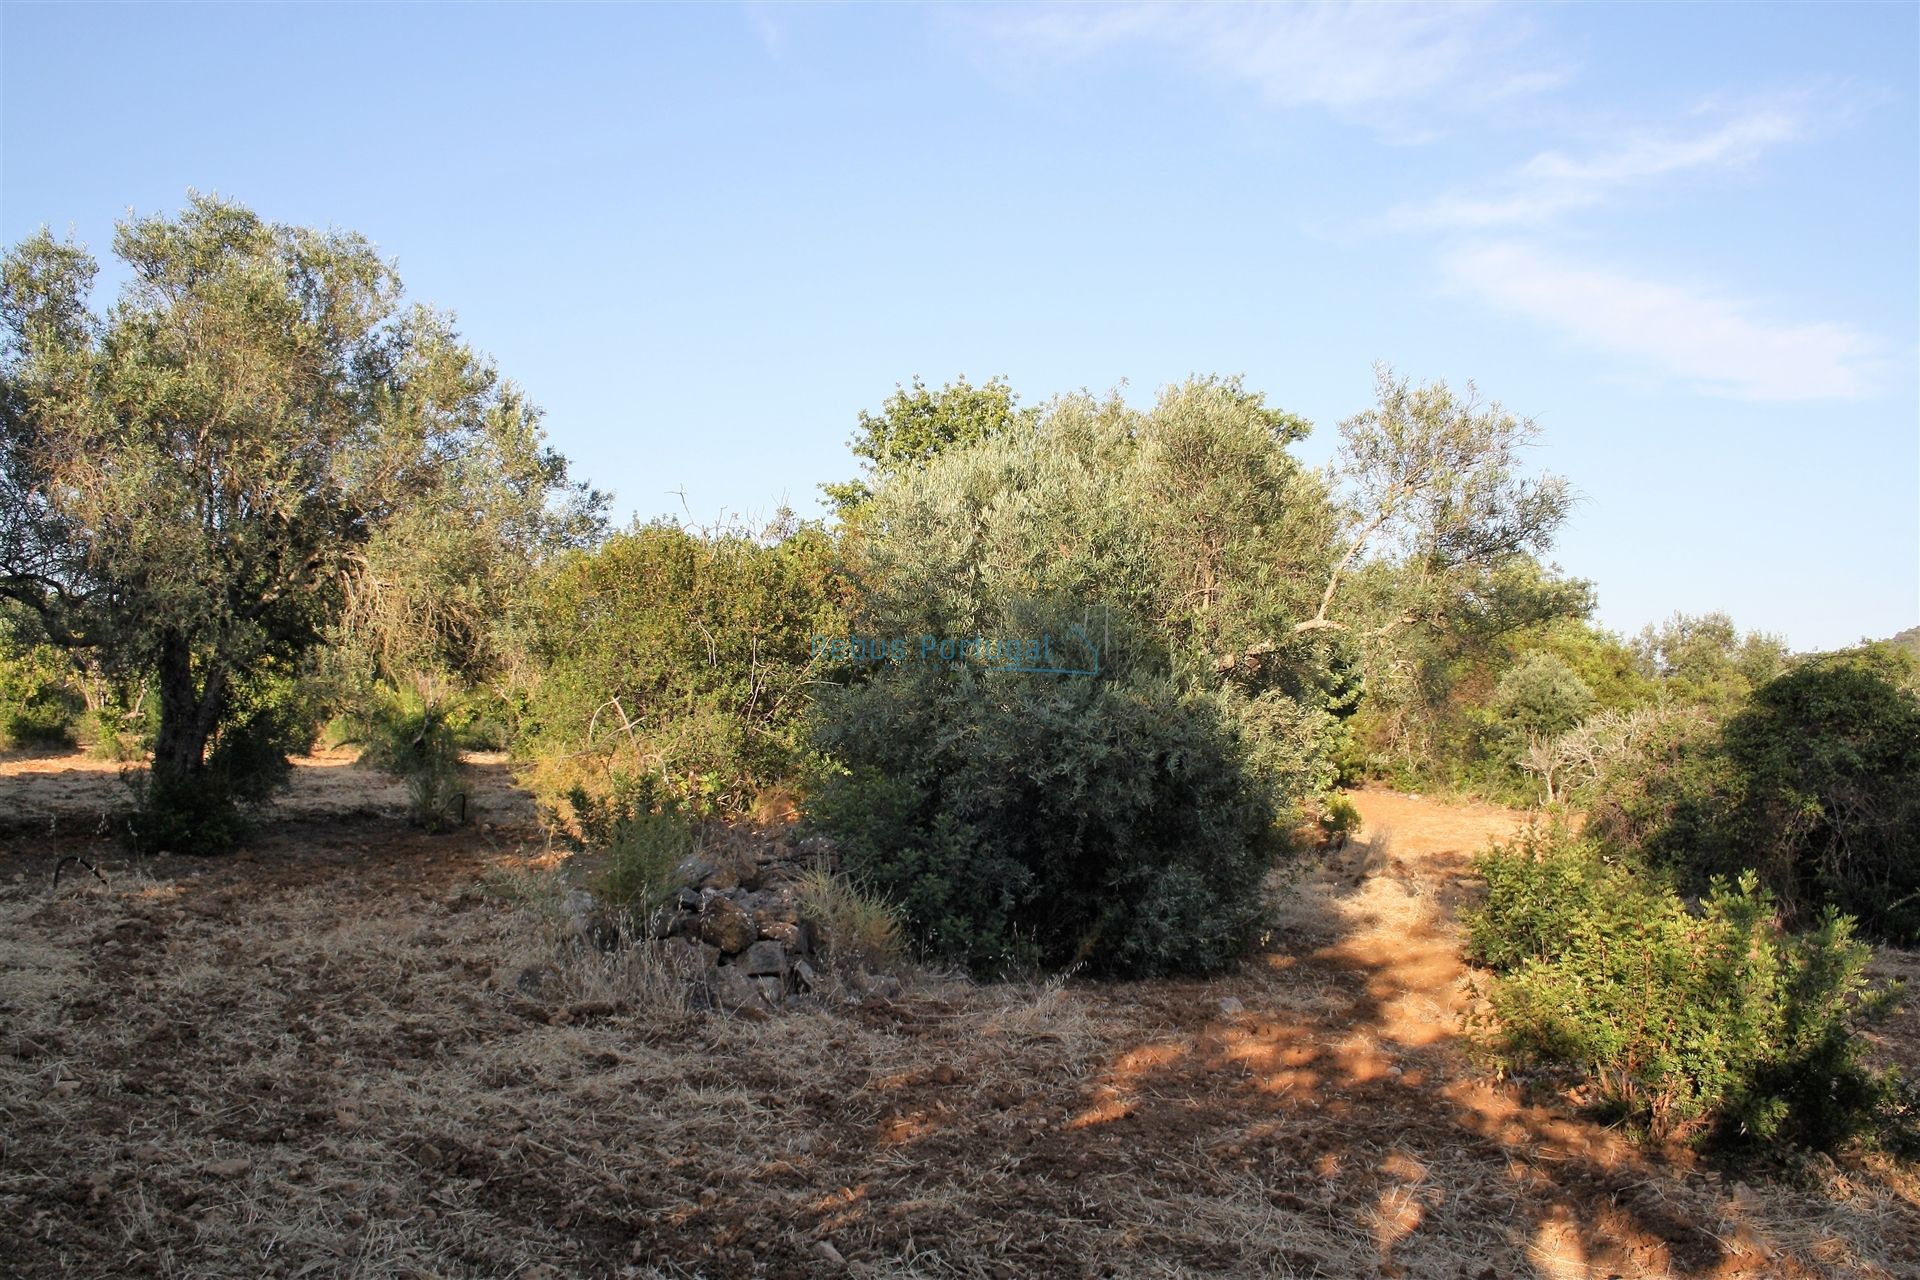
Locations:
{"points": [[61, 865]]}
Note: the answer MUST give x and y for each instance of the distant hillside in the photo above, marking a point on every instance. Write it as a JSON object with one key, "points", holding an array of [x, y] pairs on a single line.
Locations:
{"points": [[1908, 640]]}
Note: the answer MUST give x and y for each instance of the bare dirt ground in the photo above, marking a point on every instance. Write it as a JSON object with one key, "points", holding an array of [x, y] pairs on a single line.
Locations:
{"points": [[314, 1059]]}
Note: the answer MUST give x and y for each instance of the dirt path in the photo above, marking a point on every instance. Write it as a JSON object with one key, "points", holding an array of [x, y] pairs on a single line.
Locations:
{"points": [[318, 1058]]}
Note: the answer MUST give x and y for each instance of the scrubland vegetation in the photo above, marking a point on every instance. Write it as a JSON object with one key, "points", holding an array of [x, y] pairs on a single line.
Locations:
{"points": [[259, 505]]}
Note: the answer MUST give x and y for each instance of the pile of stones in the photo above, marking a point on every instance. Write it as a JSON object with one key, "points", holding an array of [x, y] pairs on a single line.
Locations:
{"points": [[736, 933]]}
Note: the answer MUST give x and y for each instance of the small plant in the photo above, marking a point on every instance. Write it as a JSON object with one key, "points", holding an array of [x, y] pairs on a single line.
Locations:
{"points": [[856, 928], [412, 734], [644, 856], [1339, 822]]}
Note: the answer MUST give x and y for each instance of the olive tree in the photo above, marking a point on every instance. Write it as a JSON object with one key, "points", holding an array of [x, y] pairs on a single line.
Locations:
{"points": [[190, 480], [1434, 496]]}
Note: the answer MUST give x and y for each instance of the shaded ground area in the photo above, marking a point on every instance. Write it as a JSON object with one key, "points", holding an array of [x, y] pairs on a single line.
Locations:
{"points": [[321, 1058]]}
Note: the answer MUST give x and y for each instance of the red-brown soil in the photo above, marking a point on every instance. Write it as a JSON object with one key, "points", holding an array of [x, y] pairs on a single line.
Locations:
{"points": [[315, 1059]]}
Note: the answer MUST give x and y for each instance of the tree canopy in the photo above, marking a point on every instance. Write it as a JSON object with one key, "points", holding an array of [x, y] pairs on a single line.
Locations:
{"points": [[192, 481]]}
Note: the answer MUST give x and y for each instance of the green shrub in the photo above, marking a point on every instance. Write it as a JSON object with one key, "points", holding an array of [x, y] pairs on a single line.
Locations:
{"points": [[644, 853], [1668, 795], [38, 703], [1339, 820], [1828, 808], [119, 728], [681, 658], [1814, 784], [413, 733], [1026, 820], [1712, 1023]]}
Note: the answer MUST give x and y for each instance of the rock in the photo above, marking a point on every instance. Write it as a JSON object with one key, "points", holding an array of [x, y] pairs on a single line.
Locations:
{"points": [[828, 1254], [579, 902], [772, 990], [765, 960], [693, 871], [1231, 1007], [785, 932], [229, 1168], [689, 957], [733, 989], [726, 926], [688, 900]]}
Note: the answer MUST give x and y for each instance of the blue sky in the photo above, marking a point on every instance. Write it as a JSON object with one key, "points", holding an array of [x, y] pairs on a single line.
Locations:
{"points": [[1683, 239]]}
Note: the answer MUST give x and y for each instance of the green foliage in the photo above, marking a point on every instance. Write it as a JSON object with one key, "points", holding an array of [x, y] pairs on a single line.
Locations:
{"points": [[1339, 820], [1435, 477], [413, 733], [38, 703], [674, 662], [1713, 1023], [913, 425], [1814, 783], [1123, 822], [1540, 697], [1430, 717], [1050, 820], [1828, 802], [858, 929], [644, 854], [1706, 661], [195, 483], [436, 589]]}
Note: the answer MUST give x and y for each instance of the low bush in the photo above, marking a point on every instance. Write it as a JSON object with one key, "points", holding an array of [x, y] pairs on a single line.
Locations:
{"points": [[644, 855], [1694, 1023], [1814, 784], [856, 928], [1339, 821], [413, 733]]}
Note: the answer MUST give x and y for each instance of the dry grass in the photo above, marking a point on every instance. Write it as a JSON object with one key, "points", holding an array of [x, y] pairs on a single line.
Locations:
{"points": [[321, 1059]]}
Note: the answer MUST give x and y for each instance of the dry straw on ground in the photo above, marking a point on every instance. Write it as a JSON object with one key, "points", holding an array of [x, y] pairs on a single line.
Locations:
{"points": [[320, 1059]]}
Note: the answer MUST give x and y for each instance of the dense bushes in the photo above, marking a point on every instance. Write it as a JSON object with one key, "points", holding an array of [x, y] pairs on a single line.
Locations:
{"points": [[1702, 1023], [38, 705], [670, 667], [1049, 820], [1828, 758], [1122, 821], [1814, 784]]}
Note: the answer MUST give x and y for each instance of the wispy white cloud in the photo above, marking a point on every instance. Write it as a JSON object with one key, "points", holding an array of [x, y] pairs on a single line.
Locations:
{"points": [[1721, 345], [1353, 59], [1554, 183]]}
